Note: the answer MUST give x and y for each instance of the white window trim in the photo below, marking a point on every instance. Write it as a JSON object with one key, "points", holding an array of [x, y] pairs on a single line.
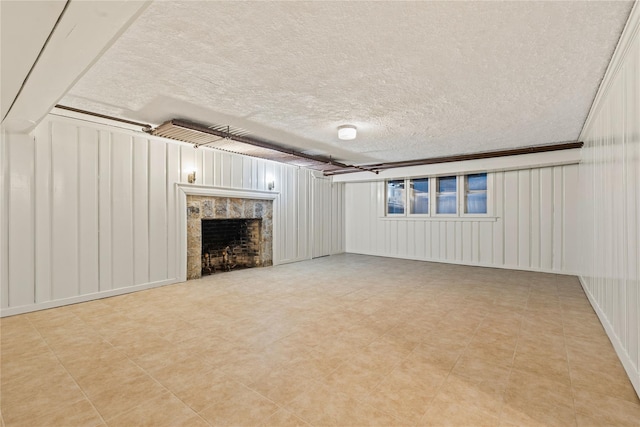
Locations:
{"points": [[460, 215]]}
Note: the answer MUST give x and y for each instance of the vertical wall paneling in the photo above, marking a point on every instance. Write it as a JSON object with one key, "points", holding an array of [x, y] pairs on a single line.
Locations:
{"points": [[21, 277], [200, 167], [140, 211], [217, 168], [247, 173], [534, 251], [227, 172], [236, 172], [122, 215], [105, 209], [546, 218], [322, 216], [558, 207], [524, 218], [96, 210], [486, 243], [498, 229], [65, 251], [571, 211], [609, 213], [4, 219], [207, 167], [435, 240], [475, 247], [173, 176], [43, 217], [511, 214], [88, 226], [157, 211], [401, 233], [523, 209], [466, 242]]}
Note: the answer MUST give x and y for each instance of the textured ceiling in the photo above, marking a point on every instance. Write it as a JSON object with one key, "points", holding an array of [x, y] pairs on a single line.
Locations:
{"points": [[418, 79]]}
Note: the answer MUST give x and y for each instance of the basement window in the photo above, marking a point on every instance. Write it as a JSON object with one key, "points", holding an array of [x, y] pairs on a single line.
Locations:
{"points": [[475, 193], [419, 196], [395, 197], [454, 196], [447, 195]]}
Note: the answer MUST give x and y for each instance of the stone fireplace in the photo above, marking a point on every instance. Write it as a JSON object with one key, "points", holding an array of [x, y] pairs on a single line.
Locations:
{"points": [[225, 233]]}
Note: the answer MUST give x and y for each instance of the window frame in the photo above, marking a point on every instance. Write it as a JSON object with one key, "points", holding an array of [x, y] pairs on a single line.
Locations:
{"points": [[386, 199], [461, 183], [463, 201], [430, 193]]}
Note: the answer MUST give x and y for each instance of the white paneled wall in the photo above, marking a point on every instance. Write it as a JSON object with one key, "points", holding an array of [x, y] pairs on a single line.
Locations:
{"points": [[533, 227], [90, 210], [610, 201], [328, 214]]}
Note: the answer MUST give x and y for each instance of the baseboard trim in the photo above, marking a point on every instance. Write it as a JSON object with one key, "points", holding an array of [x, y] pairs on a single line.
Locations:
{"points": [[633, 374], [12, 311], [470, 264]]}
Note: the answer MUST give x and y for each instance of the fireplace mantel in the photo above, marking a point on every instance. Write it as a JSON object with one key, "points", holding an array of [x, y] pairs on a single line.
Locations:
{"points": [[184, 190]]}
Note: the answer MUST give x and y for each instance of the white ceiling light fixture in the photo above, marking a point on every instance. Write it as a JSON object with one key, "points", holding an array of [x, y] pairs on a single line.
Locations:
{"points": [[347, 132]]}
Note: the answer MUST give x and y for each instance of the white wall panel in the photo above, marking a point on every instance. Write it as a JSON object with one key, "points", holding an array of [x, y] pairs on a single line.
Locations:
{"points": [[21, 277], [43, 218], [173, 176], [105, 209], [4, 219], [140, 211], [523, 205], [158, 221], [96, 210], [65, 236], [122, 213], [88, 227], [609, 213], [510, 214], [524, 218]]}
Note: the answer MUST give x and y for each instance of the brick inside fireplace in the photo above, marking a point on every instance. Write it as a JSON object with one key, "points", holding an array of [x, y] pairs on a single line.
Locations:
{"points": [[229, 244]]}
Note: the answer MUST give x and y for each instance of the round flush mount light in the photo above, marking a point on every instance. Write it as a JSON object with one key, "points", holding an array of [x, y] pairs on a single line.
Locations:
{"points": [[347, 132]]}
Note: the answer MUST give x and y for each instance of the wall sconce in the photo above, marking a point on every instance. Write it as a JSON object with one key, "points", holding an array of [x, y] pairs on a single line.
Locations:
{"points": [[191, 177], [271, 185]]}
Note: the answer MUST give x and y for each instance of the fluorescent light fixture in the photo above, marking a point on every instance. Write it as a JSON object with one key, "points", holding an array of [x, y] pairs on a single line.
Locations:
{"points": [[347, 132]]}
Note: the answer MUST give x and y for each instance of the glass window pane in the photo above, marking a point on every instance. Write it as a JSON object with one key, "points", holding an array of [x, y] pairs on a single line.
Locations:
{"points": [[477, 203], [477, 181], [476, 193], [419, 194], [446, 203], [447, 184], [446, 198], [395, 197]]}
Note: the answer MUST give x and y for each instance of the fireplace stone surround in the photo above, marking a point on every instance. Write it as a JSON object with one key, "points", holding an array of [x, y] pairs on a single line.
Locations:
{"points": [[213, 207]]}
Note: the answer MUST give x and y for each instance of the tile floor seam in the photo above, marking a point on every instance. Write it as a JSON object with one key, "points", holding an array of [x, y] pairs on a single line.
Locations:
{"points": [[68, 373], [522, 319], [566, 350], [151, 398], [450, 370]]}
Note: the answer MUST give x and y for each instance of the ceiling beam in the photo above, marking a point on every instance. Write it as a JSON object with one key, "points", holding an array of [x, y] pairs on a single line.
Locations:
{"points": [[462, 157], [482, 164], [83, 32]]}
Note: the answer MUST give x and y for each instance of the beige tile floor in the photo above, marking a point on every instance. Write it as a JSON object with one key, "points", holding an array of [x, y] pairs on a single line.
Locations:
{"points": [[345, 340]]}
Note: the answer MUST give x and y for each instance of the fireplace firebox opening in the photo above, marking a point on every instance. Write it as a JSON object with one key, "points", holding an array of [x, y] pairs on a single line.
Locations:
{"points": [[230, 244]]}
